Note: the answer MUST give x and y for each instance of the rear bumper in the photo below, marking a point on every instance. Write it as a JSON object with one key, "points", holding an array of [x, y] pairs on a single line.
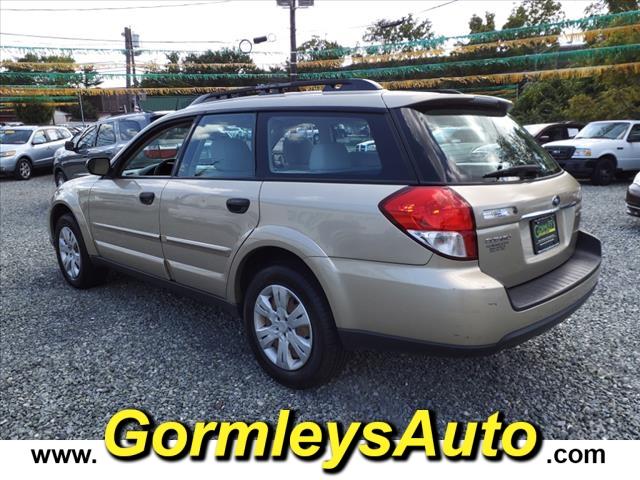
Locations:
{"points": [[451, 310], [633, 200]]}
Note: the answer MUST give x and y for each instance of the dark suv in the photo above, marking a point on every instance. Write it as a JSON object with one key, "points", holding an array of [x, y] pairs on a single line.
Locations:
{"points": [[102, 139]]}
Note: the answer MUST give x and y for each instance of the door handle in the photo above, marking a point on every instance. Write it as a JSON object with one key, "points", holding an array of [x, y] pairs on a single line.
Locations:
{"points": [[147, 197], [238, 205]]}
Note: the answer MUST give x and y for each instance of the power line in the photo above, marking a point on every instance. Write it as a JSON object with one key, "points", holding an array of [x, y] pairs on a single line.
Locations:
{"points": [[93, 9], [110, 39], [437, 6]]}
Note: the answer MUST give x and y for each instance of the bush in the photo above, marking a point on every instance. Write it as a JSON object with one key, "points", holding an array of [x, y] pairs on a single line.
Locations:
{"points": [[34, 113]]}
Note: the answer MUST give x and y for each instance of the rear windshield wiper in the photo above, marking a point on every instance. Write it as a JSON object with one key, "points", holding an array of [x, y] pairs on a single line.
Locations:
{"points": [[517, 171]]}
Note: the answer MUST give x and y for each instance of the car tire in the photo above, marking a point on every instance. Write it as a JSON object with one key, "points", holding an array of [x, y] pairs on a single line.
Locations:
{"points": [[604, 171], [74, 261], [59, 177], [312, 352], [24, 169]]}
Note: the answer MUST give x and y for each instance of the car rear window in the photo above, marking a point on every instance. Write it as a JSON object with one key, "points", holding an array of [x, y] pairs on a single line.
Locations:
{"points": [[334, 146], [474, 144]]}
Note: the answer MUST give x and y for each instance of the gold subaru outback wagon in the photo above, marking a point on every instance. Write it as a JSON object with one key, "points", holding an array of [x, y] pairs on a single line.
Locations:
{"points": [[336, 219]]}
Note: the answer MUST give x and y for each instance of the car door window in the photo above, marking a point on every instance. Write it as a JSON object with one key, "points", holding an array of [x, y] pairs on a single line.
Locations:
{"points": [[341, 146], [52, 134], [106, 135], [158, 154], [634, 134], [87, 140], [221, 147], [39, 138]]}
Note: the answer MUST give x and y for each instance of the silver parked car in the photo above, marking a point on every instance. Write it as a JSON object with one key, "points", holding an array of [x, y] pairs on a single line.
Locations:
{"points": [[24, 148], [457, 243]]}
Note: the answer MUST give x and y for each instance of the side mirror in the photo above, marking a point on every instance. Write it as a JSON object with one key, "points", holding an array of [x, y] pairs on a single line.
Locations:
{"points": [[37, 142], [544, 139], [98, 166], [69, 145]]}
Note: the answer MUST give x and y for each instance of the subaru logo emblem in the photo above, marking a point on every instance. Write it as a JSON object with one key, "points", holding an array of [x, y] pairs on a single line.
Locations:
{"points": [[556, 201]]}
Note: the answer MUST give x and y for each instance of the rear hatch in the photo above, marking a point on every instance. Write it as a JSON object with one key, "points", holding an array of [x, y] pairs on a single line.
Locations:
{"points": [[526, 209]]}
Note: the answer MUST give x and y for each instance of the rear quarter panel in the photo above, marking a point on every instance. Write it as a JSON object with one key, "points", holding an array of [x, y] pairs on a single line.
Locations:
{"points": [[342, 219]]}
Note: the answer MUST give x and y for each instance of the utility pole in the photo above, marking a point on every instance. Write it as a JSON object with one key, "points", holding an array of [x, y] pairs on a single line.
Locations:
{"points": [[81, 108], [293, 60], [292, 5], [127, 54], [131, 68]]}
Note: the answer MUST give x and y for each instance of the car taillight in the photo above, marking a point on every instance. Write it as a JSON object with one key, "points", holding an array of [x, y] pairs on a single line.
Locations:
{"points": [[435, 216]]}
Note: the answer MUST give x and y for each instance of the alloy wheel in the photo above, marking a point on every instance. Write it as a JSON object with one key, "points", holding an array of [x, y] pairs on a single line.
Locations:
{"points": [[24, 168]]}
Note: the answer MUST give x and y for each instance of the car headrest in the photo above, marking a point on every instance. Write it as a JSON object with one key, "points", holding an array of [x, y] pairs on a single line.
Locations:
{"points": [[296, 152], [232, 155], [329, 157]]}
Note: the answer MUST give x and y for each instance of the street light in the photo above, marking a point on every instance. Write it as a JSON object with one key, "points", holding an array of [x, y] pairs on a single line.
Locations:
{"points": [[292, 5]]}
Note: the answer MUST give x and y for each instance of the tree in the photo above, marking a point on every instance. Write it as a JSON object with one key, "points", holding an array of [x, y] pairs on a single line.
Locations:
{"points": [[543, 101], [313, 49], [88, 110], [406, 29], [47, 66], [534, 12], [224, 62], [34, 113], [479, 25], [611, 6], [608, 105]]}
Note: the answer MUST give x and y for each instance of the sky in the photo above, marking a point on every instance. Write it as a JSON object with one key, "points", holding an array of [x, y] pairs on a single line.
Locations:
{"points": [[219, 23]]}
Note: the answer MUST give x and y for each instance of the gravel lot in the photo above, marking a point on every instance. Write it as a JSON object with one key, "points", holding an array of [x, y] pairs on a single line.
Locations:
{"points": [[70, 359]]}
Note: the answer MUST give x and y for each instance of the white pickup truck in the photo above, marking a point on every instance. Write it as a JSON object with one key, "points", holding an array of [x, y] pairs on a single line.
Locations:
{"points": [[600, 150]]}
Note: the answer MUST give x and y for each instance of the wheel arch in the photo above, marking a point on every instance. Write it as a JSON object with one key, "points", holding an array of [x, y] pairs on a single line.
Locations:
{"points": [[261, 257], [611, 156], [58, 208]]}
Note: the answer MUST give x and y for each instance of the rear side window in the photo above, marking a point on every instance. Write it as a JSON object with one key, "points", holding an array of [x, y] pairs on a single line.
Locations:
{"points": [[221, 147], [62, 133], [128, 129], [334, 146], [474, 144], [52, 134]]}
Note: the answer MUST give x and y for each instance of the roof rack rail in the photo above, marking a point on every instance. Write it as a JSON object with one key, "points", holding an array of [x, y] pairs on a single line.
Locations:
{"points": [[330, 85], [442, 90]]}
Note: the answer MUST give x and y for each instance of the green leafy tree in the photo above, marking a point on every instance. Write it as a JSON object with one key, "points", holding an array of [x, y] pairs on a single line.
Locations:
{"points": [[543, 101], [534, 12], [611, 6], [318, 48], [611, 104], [227, 61], [405, 29], [34, 113], [88, 110], [45, 75], [479, 25]]}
